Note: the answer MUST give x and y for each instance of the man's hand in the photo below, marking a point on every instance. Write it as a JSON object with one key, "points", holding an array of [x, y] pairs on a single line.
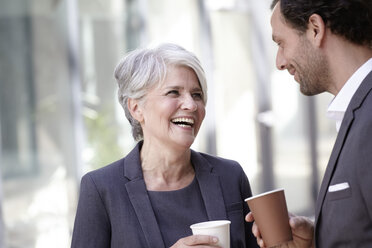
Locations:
{"points": [[302, 232]]}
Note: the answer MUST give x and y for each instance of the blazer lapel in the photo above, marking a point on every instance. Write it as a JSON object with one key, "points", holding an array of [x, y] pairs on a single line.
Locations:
{"points": [[355, 103], [138, 196], [333, 161], [210, 187]]}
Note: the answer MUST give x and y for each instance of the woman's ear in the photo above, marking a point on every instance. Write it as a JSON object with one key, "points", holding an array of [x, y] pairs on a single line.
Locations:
{"points": [[135, 109], [316, 29]]}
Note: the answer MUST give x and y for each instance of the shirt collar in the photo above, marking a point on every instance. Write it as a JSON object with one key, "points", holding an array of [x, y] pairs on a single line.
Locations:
{"points": [[340, 102]]}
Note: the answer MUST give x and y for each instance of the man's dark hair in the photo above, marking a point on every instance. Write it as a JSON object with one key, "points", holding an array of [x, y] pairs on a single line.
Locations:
{"points": [[351, 19]]}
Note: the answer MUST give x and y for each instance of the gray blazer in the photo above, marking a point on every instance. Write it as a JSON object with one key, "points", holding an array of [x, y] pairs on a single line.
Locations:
{"points": [[343, 216], [114, 209]]}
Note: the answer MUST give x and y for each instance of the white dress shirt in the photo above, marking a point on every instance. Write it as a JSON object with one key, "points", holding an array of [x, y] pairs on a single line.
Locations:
{"points": [[339, 104]]}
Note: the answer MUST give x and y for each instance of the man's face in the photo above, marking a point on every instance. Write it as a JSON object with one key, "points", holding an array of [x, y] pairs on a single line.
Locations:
{"points": [[297, 55]]}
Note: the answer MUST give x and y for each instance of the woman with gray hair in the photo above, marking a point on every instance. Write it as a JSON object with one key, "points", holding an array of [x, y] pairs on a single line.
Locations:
{"points": [[151, 197]]}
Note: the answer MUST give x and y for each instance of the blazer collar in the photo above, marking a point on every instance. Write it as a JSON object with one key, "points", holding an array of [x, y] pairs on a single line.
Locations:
{"points": [[210, 187], [355, 103], [209, 184], [132, 168], [140, 200]]}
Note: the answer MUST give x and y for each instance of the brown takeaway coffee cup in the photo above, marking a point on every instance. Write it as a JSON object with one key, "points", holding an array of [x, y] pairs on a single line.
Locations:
{"points": [[271, 216]]}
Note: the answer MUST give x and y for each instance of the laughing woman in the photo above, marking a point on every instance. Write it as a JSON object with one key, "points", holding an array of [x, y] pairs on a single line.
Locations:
{"points": [[151, 197]]}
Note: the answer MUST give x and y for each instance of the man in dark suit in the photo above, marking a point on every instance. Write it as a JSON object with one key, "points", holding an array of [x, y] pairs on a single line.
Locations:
{"points": [[327, 47]]}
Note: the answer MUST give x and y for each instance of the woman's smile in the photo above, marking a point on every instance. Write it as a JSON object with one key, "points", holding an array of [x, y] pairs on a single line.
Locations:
{"points": [[184, 122]]}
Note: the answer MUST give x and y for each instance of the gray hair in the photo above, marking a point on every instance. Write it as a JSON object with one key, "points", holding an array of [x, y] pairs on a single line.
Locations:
{"points": [[142, 69]]}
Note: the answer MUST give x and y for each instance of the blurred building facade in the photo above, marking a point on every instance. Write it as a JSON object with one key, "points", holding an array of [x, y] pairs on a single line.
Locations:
{"points": [[59, 115]]}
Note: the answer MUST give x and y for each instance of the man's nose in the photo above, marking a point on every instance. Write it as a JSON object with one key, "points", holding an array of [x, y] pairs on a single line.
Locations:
{"points": [[281, 62]]}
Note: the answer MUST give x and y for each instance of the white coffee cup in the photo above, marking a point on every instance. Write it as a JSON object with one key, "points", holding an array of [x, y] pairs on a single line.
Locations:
{"points": [[217, 228]]}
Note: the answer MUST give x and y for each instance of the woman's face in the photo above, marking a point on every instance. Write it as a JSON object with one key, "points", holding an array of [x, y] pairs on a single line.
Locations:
{"points": [[173, 111]]}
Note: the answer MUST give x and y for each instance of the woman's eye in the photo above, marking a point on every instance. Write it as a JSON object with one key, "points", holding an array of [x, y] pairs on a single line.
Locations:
{"points": [[197, 95], [173, 93]]}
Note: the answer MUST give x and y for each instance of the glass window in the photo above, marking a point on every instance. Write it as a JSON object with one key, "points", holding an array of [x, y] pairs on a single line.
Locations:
{"points": [[60, 117]]}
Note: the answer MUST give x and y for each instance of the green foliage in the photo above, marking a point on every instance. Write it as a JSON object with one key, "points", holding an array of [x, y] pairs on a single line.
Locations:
{"points": [[102, 136]]}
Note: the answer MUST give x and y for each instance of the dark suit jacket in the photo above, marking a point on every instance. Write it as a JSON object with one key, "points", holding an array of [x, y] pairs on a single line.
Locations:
{"points": [[114, 209], [343, 217]]}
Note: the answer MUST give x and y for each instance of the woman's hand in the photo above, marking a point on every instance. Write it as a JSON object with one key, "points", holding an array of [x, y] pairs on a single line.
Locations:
{"points": [[199, 241], [302, 232]]}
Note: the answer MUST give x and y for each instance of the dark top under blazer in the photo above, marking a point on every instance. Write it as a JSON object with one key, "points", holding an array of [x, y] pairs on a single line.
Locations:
{"points": [[114, 209], [344, 218]]}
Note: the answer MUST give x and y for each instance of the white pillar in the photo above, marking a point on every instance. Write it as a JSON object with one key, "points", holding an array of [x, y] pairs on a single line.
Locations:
{"points": [[2, 224], [75, 79]]}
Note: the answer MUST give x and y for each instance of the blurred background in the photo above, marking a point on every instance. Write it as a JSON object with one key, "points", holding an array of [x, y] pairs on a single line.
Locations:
{"points": [[60, 118]]}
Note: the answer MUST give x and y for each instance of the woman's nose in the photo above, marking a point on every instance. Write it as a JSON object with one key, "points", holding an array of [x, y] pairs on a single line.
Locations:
{"points": [[189, 103]]}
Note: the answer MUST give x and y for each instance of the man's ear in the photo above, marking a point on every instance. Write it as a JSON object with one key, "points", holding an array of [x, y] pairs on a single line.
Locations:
{"points": [[135, 109], [316, 30]]}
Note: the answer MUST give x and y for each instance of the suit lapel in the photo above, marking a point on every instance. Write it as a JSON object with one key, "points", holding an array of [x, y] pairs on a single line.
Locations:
{"points": [[355, 103], [138, 196], [333, 161], [210, 187]]}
